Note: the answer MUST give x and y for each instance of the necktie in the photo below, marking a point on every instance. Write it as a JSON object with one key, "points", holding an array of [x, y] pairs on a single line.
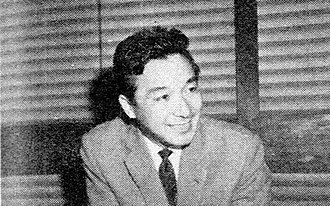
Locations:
{"points": [[167, 176]]}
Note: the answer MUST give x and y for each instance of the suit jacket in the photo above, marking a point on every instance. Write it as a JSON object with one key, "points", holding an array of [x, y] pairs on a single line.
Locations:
{"points": [[223, 165]]}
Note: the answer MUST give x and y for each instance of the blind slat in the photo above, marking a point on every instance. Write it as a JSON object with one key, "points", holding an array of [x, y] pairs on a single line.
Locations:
{"points": [[220, 70], [295, 77], [54, 16], [72, 63], [268, 64], [15, 93], [66, 113], [290, 49], [48, 78], [59, 53], [308, 34], [271, 7], [152, 7], [134, 22], [16, 7], [219, 107], [214, 83], [219, 95], [294, 20]]}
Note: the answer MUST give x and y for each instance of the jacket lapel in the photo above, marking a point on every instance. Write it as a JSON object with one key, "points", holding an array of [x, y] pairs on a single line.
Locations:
{"points": [[192, 171], [142, 171]]}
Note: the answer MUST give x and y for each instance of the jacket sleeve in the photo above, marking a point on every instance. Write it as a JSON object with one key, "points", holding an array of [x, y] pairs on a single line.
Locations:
{"points": [[253, 187], [98, 191]]}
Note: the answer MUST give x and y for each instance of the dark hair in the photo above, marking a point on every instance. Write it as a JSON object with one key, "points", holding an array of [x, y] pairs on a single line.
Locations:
{"points": [[103, 96], [133, 53]]}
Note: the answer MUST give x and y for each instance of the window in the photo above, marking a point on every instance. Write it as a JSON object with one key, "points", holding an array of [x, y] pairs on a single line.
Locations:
{"points": [[50, 52], [294, 75]]}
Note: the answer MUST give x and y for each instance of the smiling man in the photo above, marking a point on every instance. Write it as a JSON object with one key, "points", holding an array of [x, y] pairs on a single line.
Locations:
{"points": [[159, 150], [167, 101]]}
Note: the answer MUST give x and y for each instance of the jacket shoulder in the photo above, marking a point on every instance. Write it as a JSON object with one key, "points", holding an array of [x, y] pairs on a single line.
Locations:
{"points": [[235, 144], [229, 134], [107, 135]]}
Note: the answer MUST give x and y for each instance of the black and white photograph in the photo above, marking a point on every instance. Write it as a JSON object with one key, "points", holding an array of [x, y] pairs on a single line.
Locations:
{"points": [[165, 103]]}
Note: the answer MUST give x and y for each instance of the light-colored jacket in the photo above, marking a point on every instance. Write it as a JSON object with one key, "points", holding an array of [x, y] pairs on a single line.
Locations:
{"points": [[223, 165]]}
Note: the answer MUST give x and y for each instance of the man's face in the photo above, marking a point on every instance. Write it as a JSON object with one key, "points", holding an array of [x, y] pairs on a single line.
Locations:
{"points": [[168, 101]]}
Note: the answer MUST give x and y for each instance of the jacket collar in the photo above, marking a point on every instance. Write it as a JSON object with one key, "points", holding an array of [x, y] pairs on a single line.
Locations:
{"points": [[191, 176], [140, 166]]}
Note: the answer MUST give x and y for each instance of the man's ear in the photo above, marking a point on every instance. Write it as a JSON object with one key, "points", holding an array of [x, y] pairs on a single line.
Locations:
{"points": [[127, 107]]}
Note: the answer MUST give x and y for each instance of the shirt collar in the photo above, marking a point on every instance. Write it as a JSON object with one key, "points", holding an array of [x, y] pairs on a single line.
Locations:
{"points": [[154, 148]]}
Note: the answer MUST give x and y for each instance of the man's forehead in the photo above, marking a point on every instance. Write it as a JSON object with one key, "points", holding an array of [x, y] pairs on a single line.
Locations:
{"points": [[170, 66], [193, 79], [174, 71]]}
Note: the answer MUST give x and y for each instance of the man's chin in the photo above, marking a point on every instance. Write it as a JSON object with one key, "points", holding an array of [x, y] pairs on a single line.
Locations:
{"points": [[177, 145], [180, 141]]}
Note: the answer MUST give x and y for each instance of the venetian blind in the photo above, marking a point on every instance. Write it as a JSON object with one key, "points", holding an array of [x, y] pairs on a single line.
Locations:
{"points": [[294, 51], [50, 51], [49, 54]]}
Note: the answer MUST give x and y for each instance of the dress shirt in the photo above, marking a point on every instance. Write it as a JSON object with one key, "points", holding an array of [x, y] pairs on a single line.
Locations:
{"points": [[174, 157]]}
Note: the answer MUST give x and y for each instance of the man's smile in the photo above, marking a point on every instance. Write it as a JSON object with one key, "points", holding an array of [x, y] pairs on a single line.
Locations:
{"points": [[182, 127]]}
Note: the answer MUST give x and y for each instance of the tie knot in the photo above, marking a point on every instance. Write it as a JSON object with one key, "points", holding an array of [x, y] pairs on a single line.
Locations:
{"points": [[165, 153]]}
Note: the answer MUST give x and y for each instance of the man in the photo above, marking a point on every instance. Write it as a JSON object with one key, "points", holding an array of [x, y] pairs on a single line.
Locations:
{"points": [[160, 151]]}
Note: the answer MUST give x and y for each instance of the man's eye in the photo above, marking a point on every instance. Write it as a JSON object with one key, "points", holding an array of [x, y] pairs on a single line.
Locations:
{"points": [[163, 97], [192, 89]]}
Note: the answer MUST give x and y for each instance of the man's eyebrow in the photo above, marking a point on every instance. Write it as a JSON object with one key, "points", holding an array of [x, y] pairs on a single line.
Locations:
{"points": [[193, 79], [155, 89]]}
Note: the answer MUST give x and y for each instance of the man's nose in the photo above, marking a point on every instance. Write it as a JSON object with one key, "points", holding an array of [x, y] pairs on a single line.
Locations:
{"points": [[182, 108]]}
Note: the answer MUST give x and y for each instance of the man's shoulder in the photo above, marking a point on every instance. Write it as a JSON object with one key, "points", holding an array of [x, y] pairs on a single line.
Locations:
{"points": [[220, 126], [237, 143], [227, 133], [106, 135]]}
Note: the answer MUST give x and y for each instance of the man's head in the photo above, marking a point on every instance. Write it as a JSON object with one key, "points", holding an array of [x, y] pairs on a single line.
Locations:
{"points": [[158, 84]]}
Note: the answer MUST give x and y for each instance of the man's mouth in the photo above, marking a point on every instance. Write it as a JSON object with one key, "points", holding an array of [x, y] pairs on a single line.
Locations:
{"points": [[184, 126], [180, 123]]}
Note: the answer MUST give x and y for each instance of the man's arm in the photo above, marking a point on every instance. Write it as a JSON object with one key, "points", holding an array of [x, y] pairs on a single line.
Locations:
{"points": [[98, 192], [253, 187]]}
